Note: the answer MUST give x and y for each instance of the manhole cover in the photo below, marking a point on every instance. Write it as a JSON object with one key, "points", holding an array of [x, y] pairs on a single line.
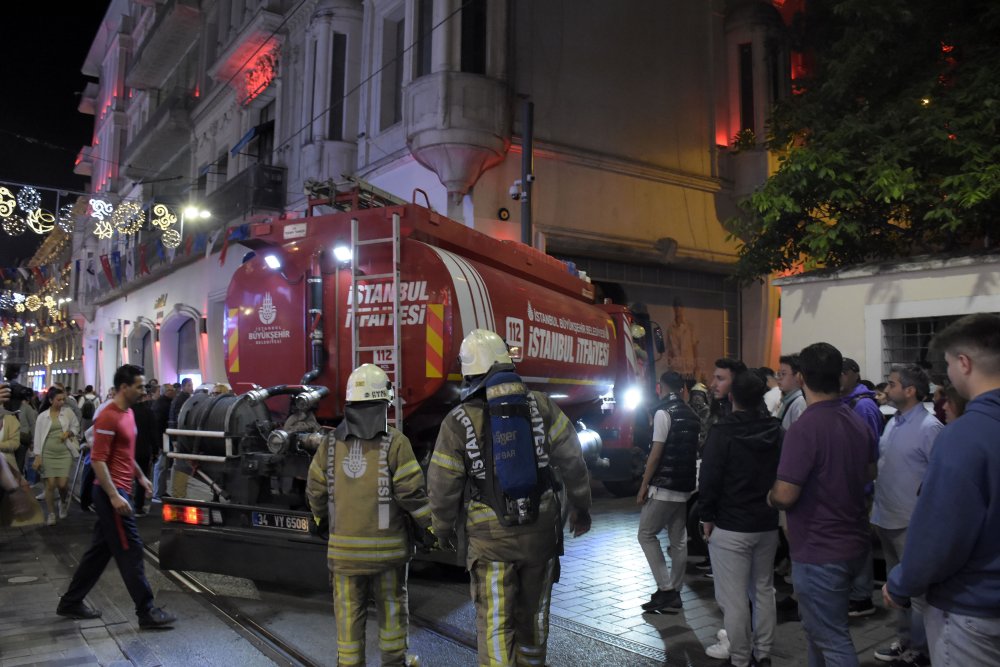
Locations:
{"points": [[21, 580]]}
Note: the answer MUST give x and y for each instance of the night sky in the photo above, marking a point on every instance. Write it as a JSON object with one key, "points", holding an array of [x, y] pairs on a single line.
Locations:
{"points": [[41, 130]]}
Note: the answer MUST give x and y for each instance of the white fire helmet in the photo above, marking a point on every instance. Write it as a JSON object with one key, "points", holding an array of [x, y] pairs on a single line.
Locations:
{"points": [[480, 350], [368, 382]]}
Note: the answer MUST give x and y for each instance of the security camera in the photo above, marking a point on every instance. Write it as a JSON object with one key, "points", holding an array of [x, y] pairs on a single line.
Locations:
{"points": [[515, 190]]}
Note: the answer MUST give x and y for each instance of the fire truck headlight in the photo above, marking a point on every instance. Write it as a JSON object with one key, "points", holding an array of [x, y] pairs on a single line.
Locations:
{"points": [[632, 398], [342, 253], [272, 262]]}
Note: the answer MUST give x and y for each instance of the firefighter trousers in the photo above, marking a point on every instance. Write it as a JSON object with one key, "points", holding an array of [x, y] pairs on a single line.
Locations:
{"points": [[512, 611], [351, 593]]}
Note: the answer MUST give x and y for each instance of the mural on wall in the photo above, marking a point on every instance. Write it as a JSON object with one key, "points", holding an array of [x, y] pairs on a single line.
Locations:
{"points": [[694, 338]]}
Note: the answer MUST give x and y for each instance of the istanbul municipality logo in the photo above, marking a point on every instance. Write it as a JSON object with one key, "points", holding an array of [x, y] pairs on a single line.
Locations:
{"points": [[267, 311]]}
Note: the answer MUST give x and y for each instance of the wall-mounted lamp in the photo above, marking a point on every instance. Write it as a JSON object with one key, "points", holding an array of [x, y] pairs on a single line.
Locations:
{"points": [[204, 325]]}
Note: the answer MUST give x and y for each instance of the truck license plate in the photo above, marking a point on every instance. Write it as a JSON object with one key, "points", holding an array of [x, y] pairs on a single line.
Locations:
{"points": [[298, 524]]}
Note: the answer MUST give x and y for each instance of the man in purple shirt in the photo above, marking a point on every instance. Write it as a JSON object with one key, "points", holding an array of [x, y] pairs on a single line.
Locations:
{"points": [[826, 461]]}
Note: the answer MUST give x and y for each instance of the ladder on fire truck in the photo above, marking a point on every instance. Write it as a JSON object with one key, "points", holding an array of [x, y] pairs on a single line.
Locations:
{"points": [[388, 358]]}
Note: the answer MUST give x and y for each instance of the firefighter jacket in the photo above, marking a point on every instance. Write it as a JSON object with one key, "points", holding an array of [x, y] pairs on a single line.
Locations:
{"points": [[678, 468], [373, 485], [457, 458]]}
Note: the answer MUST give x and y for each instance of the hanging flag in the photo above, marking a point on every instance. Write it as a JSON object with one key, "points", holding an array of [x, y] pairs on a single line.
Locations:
{"points": [[116, 261], [199, 241], [106, 265], [39, 277], [159, 251], [211, 241], [143, 267], [130, 265], [225, 245], [24, 273], [188, 245]]}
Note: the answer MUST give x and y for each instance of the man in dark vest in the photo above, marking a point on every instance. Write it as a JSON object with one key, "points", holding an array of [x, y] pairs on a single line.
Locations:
{"points": [[668, 482]]}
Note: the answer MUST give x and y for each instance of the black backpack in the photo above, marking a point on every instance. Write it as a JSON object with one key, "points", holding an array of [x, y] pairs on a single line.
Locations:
{"points": [[87, 409]]}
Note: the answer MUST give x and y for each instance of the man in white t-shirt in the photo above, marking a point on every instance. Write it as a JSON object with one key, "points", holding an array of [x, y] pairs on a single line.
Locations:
{"points": [[667, 483]]}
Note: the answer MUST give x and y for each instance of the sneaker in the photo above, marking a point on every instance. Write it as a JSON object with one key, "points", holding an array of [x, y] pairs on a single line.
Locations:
{"points": [[719, 651], [911, 659], [63, 508], [78, 610], [666, 602], [140, 514], [51, 521], [156, 618], [893, 652], [40, 496], [411, 660], [704, 565], [709, 574], [658, 599], [722, 635], [155, 500], [858, 608]]}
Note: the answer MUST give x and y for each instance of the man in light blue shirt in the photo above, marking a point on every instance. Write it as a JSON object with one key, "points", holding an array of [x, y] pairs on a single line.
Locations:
{"points": [[904, 452]]}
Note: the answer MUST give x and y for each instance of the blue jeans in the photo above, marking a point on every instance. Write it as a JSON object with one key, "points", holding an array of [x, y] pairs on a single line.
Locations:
{"points": [[824, 592], [962, 641]]}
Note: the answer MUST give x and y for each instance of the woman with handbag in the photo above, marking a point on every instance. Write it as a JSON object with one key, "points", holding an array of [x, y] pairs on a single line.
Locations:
{"points": [[56, 438]]}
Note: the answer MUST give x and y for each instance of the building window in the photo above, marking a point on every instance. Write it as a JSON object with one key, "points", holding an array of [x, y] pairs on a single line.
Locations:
{"points": [[474, 37], [746, 87], [262, 144], [425, 37], [391, 111], [908, 342], [338, 77]]}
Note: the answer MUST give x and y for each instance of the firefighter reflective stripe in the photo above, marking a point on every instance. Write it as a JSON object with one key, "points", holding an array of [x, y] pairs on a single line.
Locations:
{"points": [[495, 613], [366, 549], [531, 647], [435, 340], [480, 513], [394, 615], [447, 461], [350, 600], [350, 603], [423, 512], [405, 471], [233, 346], [557, 429]]}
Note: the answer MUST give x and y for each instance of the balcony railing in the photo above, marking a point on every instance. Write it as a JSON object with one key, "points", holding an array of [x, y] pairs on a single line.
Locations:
{"points": [[258, 188], [178, 24], [166, 132]]}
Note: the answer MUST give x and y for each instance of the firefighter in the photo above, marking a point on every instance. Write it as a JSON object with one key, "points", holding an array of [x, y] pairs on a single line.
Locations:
{"points": [[507, 440], [364, 480]]}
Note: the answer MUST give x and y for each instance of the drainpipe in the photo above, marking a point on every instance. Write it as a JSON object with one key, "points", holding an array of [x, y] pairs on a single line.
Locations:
{"points": [[314, 287]]}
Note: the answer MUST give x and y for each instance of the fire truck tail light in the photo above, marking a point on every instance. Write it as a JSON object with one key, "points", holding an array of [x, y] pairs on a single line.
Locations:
{"points": [[195, 516]]}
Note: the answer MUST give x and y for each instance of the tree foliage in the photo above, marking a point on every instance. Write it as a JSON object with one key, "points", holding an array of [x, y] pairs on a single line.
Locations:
{"points": [[890, 147]]}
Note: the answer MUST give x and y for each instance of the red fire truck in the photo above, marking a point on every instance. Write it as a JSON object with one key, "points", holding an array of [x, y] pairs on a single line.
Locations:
{"points": [[398, 285]]}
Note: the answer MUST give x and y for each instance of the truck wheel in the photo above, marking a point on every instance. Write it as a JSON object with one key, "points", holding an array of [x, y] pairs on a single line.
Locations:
{"points": [[621, 488]]}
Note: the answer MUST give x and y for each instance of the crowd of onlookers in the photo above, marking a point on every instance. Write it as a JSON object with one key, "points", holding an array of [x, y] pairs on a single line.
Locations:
{"points": [[45, 438], [818, 463]]}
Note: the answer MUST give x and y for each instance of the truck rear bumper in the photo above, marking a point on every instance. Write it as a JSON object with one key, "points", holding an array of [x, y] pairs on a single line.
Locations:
{"points": [[260, 554]]}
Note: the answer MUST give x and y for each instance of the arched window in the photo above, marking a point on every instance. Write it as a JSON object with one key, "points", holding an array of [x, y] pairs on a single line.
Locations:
{"points": [[187, 352]]}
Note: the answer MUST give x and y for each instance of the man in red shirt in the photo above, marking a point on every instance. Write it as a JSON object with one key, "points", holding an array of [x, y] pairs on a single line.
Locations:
{"points": [[115, 533]]}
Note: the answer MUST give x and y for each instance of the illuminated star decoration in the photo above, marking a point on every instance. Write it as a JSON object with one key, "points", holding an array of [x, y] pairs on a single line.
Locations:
{"points": [[32, 303], [171, 238], [164, 218], [28, 198], [19, 307], [7, 203], [41, 221]]}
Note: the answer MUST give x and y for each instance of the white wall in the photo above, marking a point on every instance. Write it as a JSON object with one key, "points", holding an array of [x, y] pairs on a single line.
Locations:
{"points": [[847, 309]]}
